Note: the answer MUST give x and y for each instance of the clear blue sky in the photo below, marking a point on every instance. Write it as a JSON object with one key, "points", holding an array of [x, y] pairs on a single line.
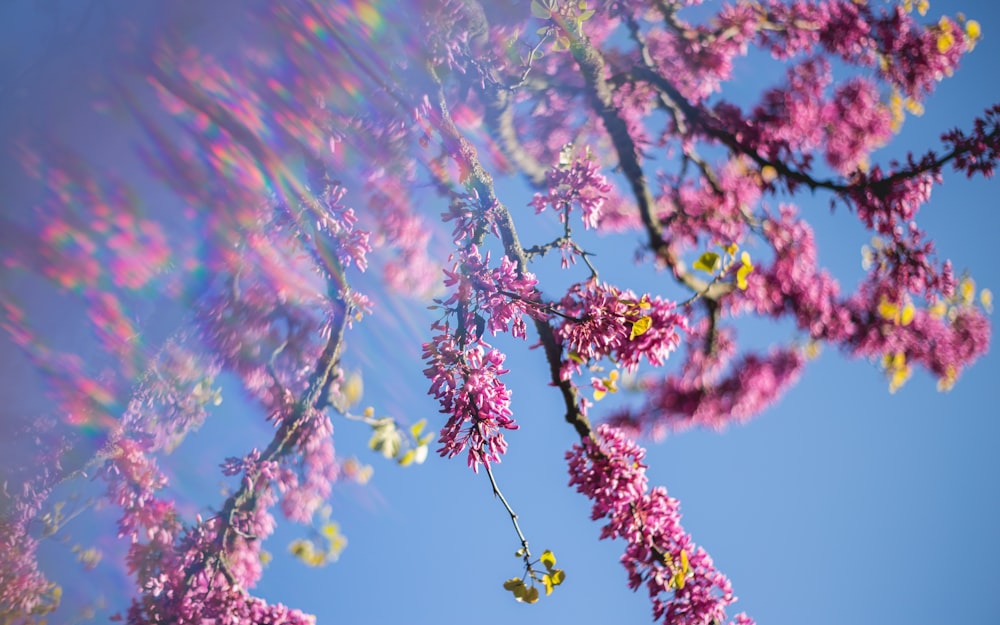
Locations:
{"points": [[842, 504]]}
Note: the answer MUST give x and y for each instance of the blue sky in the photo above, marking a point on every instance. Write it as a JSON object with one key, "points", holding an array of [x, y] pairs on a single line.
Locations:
{"points": [[843, 503]]}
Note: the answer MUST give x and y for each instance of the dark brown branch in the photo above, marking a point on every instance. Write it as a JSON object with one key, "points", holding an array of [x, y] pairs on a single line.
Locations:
{"points": [[709, 124], [500, 118], [600, 96]]}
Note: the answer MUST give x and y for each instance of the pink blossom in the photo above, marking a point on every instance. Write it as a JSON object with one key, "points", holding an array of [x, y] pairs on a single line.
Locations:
{"points": [[578, 183], [466, 380], [609, 470], [601, 322]]}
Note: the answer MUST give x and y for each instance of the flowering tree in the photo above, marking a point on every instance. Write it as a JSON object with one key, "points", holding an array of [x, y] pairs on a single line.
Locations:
{"points": [[335, 157]]}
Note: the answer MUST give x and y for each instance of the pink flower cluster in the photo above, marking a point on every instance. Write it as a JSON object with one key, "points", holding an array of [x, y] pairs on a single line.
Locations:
{"points": [[503, 294], [904, 52], [306, 483], [24, 588], [698, 62], [200, 573], [978, 151], [794, 283], [466, 380], [798, 118], [713, 389], [601, 321], [609, 470], [753, 383], [578, 183], [186, 585], [465, 370], [349, 243]]}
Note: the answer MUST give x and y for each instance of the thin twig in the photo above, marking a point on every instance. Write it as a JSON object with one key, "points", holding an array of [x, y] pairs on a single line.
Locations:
{"points": [[513, 515]]}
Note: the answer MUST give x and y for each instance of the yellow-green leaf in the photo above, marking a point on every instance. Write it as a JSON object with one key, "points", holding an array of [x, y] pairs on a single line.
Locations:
{"points": [[530, 595], [540, 11], [385, 439], [967, 290], [548, 559], [547, 580], [741, 276], [330, 530], [887, 309], [640, 326], [557, 576], [352, 388], [973, 30], [417, 428], [513, 584], [906, 315], [945, 41], [707, 262], [599, 394]]}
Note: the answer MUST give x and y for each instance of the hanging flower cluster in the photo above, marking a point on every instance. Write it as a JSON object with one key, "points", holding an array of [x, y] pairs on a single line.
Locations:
{"points": [[463, 368], [683, 584]]}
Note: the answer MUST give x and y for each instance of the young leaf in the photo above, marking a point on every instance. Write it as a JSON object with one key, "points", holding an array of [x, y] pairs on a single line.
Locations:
{"points": [[540, 11], [557, 576], [417, 428], [640, 326], [906, 315], [887, 310], [530, 595], [707, 262], [547, 580], [548, 559], [746, 267], [385, 439], [677, 580]]}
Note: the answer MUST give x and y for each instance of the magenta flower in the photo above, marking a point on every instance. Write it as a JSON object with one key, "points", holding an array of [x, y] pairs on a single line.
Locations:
{"points": [[683, 584], [466, 380], [605, 322]]}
